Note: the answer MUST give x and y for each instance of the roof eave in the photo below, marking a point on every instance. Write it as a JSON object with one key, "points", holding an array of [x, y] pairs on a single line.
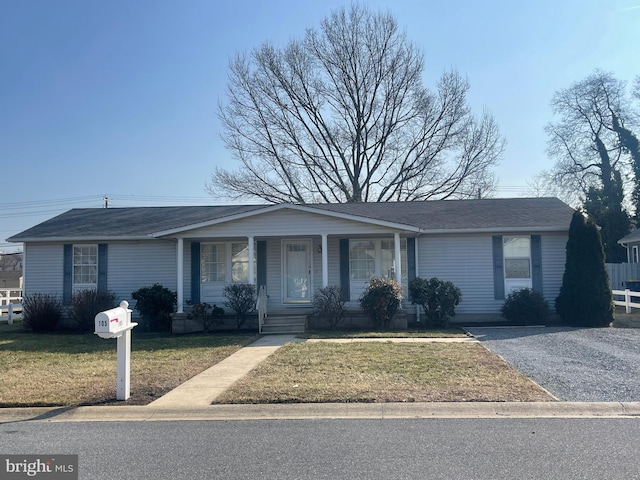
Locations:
{"points": [[497, 230], [78, 239]]}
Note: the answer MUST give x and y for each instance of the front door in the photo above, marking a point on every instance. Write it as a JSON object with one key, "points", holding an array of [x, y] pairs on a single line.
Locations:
{"points": [[297, 271]]}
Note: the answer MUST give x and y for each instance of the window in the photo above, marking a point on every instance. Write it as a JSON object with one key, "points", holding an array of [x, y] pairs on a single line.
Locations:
{"points": [[362, 260], [374, 258], [634, 254], [224, 262], [517, 257], [239, 262], [85, 267]]}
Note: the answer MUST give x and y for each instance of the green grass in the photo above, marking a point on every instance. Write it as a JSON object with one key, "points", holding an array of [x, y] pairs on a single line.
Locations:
{"points": [[383, 372], [67, 369]]}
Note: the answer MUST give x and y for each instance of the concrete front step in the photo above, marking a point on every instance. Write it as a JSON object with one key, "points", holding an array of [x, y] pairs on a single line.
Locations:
{"points": [[285, 324]]}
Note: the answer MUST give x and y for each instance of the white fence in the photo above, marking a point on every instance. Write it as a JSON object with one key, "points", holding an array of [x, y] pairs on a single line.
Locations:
{"points": [[629, 297], [10, 302], [620, 273]]}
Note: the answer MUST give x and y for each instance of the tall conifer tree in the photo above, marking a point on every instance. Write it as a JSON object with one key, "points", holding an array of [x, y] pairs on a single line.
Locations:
{"points": [[585, 296]]}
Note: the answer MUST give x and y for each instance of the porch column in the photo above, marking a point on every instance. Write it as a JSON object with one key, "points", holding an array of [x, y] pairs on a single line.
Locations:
{"points": [[252, 279], [325, 261], [398, 262], [180, 258]]}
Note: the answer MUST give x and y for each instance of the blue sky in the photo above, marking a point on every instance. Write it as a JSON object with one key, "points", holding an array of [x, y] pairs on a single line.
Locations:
{"points": [[119, 98]]}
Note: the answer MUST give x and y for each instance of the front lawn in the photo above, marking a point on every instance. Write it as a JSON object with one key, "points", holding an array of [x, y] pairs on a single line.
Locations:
{"points": [[383, 372], [66, 369]]}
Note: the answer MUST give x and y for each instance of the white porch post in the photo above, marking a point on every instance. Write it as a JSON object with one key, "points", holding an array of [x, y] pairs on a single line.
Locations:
{"points": [[325, 261], [180, 258], [398, 262], [252, 279]]}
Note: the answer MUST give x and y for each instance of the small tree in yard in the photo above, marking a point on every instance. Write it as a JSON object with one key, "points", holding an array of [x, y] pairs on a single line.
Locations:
{"points": [[438, 299], [585, 296], [381, 300], [241, 298], [329, 305]]}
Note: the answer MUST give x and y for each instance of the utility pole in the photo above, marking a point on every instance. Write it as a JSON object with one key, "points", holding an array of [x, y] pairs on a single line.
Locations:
{"points": [[106, 201]]}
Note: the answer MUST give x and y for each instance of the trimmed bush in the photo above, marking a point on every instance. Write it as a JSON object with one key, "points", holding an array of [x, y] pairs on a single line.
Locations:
{"points": [[381, 300], [525, 307], [329, 306], [208, 315], [438, 298], [156, 304], [241, 298], [86, 304], [41, 312]]}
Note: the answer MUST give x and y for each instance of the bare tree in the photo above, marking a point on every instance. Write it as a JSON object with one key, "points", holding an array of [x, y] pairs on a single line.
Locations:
{"points": [[590, 144], [342, 116]]}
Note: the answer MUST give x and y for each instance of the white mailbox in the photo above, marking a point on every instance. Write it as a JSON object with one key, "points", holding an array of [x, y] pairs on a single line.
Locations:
{"points": [[116, 323], [113, 323]]}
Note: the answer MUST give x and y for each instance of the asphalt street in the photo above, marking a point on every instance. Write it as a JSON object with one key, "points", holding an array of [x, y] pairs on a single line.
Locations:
{"points": [[452, 449]]}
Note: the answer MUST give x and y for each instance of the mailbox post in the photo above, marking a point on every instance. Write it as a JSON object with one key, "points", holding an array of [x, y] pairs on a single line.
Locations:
{"points": [[116, 323]]}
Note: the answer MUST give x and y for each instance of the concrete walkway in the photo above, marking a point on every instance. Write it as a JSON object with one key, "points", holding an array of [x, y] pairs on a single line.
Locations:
{"points": [[204, 388]]}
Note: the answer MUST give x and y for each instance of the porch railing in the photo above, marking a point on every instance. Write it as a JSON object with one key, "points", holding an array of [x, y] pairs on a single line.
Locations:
{"points": [[261, 307], [628, 302], [10, 302]]}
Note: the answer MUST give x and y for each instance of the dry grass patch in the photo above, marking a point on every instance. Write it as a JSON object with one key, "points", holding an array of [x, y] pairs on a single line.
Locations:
{"points": [[383, 372], [56, 369], [435, 333]]}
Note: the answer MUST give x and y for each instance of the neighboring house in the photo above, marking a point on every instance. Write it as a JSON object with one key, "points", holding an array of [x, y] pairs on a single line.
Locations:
{"points": [[632, 243], [486, 247]]}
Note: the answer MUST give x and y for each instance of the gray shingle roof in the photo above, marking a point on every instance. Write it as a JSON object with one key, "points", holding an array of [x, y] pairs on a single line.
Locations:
{"points": [[141, 222]]}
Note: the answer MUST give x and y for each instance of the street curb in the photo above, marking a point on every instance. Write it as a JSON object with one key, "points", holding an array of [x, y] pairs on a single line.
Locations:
{"points": [[302, 411]]}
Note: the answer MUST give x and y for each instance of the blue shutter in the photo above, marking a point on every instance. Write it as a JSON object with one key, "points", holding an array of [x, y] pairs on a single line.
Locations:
{"points": [[345, 285], [536, 263], [102, 267], [195, 272], [261, 263], [67, 273], [411, 260], [498, 268]]}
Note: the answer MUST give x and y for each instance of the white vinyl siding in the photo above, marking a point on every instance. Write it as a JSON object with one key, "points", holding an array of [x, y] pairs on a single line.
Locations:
{"points": [[44, 269], [467, 261], [137, 264]]}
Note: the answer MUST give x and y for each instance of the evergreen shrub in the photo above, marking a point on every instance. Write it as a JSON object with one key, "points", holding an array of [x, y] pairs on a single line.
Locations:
{"points": [[438, 299], [381, 300]]}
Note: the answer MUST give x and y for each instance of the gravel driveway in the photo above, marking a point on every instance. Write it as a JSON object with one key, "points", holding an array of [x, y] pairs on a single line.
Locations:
{"points": [[576, 365]]}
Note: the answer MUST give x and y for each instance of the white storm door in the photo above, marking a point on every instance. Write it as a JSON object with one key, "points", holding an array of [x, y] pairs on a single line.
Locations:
{"points": [[297, 271]]}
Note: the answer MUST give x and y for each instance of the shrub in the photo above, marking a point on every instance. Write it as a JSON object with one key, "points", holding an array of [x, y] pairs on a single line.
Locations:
{"points": [[329, 305], [241, 298], [381, 300], [41, 312], [525, 307], [585, 295], [156, 304], [86, 304], [207, 315], [438, 299]]}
